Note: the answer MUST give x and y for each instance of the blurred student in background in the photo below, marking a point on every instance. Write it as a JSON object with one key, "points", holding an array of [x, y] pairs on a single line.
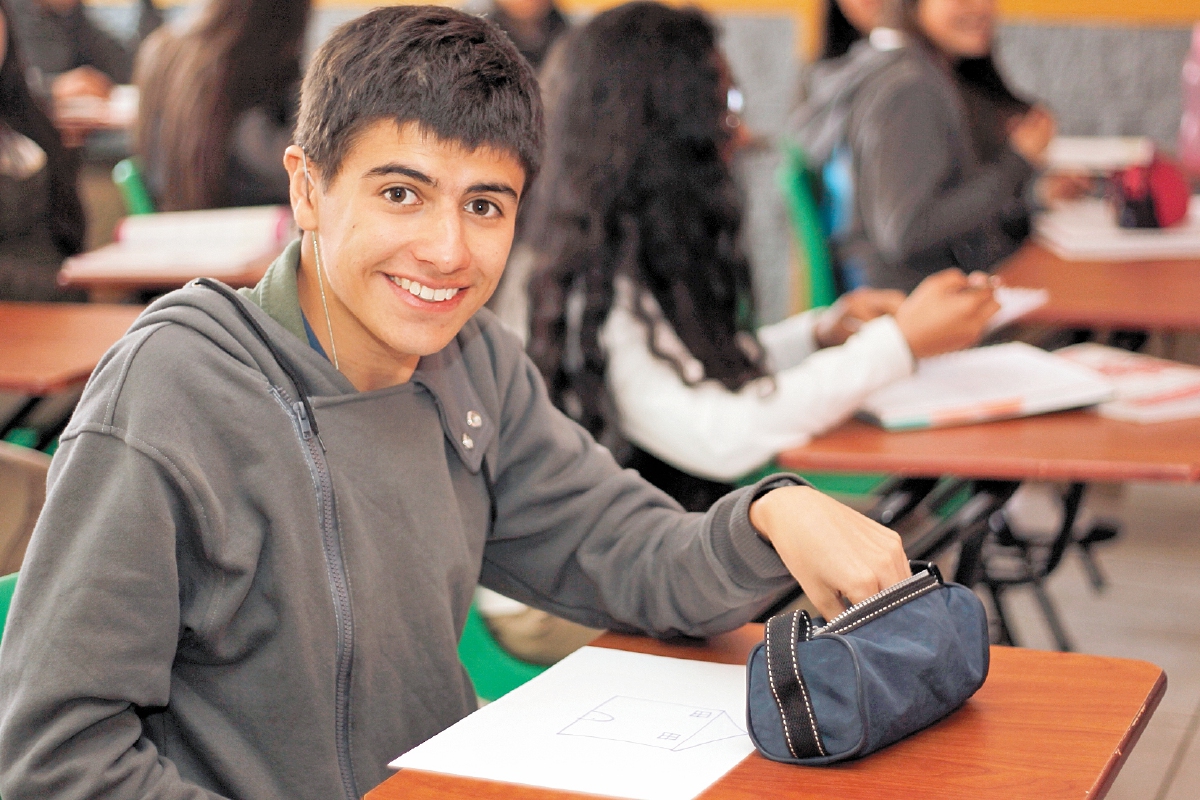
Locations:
{"points": [[218, 104], [641, 312], [41, 218], [942, 154], [846, 22], [69, 55], [533, 25]]}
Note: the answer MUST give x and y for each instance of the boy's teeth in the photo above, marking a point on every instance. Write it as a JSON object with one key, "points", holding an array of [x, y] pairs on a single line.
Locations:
{"points": [[424, 292]]}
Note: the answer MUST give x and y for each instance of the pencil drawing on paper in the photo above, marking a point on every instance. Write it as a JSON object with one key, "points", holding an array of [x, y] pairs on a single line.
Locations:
{"points": [[668, 726]]}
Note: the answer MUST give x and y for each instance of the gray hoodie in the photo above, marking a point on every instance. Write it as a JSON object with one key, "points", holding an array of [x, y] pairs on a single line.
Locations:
{"points": [[249, 580], [922, 200]]}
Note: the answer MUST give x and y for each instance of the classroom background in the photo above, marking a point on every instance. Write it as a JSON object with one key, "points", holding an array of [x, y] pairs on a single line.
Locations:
{"points": [[1105, 67]]}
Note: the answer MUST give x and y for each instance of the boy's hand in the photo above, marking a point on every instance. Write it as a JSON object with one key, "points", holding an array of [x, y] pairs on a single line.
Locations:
{"points": [[947, 311], [835, 553]]}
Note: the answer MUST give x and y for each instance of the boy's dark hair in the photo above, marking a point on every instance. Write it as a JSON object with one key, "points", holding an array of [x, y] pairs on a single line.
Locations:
{"points": [[457, 76]]}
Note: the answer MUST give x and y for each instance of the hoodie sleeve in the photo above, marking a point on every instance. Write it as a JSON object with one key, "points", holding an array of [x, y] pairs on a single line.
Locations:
{"points": [[576, 535], [100, 583]]}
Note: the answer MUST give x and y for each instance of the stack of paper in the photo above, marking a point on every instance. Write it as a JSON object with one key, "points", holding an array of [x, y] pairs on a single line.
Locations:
{"points": [[191, 243], [1098, 154], [1147, 389], [604, 722], [985, 383], [1087, 230]]}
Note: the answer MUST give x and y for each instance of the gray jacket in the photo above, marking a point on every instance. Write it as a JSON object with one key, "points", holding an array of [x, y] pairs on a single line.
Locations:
{"points": [[923, 201], [249, 580]]}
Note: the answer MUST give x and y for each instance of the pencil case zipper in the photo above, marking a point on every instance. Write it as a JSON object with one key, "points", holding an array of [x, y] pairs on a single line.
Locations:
{"points": [[926, 580]]}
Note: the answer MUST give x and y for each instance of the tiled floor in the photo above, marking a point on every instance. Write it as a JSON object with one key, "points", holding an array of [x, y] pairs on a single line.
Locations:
{"points": [[1150, 610]]}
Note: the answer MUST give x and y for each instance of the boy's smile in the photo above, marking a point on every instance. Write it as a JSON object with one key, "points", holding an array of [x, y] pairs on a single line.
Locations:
{"points": [[412, 234]]}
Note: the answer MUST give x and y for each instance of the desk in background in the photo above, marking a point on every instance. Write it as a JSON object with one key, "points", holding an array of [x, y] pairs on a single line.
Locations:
{"points": [[163, 251], [1066, 446], [1044, 726], [51, 347], [1150, 295], [114, 283]]}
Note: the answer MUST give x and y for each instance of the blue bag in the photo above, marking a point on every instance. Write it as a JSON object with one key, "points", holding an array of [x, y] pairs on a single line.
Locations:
{"points": [[889, 666]]}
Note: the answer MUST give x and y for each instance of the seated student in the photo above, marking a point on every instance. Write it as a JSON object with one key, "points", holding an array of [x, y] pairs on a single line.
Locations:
{"points": [[70, 55], [41, 218], [268, 513], [218, 105], [640, 304], [943, 153]]}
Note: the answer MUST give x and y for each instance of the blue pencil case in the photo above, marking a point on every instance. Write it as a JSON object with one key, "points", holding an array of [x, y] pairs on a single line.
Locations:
{"points": [[887, 667]]}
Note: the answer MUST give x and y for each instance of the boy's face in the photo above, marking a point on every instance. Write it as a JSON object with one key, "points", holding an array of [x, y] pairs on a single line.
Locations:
{"points": [[413, 234]]}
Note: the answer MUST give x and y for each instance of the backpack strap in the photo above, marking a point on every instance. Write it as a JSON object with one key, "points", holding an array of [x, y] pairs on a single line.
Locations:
{"points": [[787, 684]]}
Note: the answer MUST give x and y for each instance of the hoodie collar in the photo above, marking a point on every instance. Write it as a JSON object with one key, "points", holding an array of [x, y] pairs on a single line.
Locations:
{"points": [[466, 424]]}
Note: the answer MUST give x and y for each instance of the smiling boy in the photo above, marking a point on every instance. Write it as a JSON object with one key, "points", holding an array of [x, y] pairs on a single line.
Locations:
{"points": [[269, 512]]}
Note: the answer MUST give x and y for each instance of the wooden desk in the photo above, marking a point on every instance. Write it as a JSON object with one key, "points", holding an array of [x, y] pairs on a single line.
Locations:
{"points": [[1155, 295], [114, 284], [1067, 446], [1044, 726], [48, 347]]}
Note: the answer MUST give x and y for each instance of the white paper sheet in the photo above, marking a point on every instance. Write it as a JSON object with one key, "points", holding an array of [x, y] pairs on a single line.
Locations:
{"points": [[1015, 302], [1098, 154], [604, 722]]}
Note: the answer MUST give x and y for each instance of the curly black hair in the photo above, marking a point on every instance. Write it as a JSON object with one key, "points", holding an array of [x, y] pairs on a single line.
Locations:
{"points": [[634, 183]]}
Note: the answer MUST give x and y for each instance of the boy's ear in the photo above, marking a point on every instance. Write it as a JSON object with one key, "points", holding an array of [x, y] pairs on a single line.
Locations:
{"points": [[302, 187]]}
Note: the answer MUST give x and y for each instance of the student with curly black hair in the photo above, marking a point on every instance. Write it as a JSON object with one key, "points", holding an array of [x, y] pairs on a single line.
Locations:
{"points": [[642, 319]]}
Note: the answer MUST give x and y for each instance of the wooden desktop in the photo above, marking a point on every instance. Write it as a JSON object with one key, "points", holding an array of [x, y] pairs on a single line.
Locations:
{"points": [[1152, 295], [1044, 726], [1067, 446], [49, 347]]}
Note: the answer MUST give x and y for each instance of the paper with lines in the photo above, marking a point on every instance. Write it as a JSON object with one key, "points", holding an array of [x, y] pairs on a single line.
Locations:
{"points": [[604, 722]]}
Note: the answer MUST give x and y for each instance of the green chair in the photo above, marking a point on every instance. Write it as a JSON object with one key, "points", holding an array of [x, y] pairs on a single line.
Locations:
{"points": [[494, 672], [128, 179], [796, 182], [8, 585]]}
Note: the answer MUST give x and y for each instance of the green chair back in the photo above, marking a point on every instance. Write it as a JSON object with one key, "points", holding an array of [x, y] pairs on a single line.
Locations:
{"points": [[8, 585], [494, 672], [796, 181], [128, 179]]}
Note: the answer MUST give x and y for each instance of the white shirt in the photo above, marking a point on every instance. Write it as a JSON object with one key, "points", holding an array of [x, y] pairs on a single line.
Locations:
{"points": [[709, 431]]}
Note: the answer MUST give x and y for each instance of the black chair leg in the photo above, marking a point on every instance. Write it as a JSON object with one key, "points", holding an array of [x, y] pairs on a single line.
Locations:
{"points": [[1052, 619], [1003, 631]]}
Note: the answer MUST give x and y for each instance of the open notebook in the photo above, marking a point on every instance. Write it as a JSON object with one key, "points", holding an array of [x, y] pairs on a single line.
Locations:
{"points": [[215, 243], [985, 383], [1147, 389]]}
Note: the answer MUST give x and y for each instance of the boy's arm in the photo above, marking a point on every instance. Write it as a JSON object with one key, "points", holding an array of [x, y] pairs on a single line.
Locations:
{"points": [[577, 536], [100, 583]]}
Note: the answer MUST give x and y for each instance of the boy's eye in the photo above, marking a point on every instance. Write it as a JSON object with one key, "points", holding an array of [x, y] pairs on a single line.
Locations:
{"points": [[483, 208], [401, 194]]}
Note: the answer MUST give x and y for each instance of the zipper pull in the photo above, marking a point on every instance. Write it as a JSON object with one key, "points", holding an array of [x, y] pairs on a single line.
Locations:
{"points": [[302, 415]]}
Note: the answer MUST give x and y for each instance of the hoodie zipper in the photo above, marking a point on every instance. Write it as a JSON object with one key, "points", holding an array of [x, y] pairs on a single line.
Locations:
{"points": [[335, 564], [339, 587], [863, 612]]}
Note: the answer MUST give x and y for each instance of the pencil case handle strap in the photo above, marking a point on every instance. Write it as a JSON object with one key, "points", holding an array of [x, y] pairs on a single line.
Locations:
{"points": [[787, 683]]}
